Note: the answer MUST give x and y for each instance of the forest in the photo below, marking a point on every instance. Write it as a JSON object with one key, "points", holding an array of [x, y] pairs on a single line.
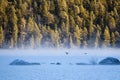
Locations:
{"points": [[59, 23]]}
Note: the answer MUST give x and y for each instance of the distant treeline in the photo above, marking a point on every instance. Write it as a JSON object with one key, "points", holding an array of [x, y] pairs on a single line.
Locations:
{"points": [[59, 23]]}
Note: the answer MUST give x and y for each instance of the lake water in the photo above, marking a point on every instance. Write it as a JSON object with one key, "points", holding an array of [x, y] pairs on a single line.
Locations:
{"points": [[68, 70]]}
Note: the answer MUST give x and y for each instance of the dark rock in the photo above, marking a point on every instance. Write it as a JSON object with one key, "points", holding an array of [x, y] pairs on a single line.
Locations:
{"points": [[66, 53], [85, 53], [22, 62], [58, 63], [35, 63], [81, 64], [110, 61], [55, 63]]}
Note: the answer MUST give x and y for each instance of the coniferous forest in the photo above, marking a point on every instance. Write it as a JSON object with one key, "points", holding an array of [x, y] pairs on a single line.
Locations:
{"points": [[59, 23]]}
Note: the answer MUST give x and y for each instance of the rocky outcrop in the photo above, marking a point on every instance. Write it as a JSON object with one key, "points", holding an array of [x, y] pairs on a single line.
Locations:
{"points": [[22, 62], [109, 61]]}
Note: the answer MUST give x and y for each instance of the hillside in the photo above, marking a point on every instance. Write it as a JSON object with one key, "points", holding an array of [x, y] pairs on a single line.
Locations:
{"points": [[59, 23]]}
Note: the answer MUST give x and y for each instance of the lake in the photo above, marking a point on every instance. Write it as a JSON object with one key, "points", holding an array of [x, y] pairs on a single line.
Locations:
{"points": [[67, 70]]}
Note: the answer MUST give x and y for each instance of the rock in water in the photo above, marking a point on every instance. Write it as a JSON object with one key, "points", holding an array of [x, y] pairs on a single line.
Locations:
{"points": [[82, 64], [22, 62], [35, 63], [110, 61], [58, 63]]}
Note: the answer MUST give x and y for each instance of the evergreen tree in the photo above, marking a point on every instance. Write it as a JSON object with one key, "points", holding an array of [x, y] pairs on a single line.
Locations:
{"points": [[70, 42], [13, 21], [97, 39], [15, 35], [117, 37], [85, 34], [57, 39], [78, 36], [1, 37], [30, 26], [111, 23], [38, 35], [32, 44], [62, 5], [113, 40], [106, 37], [11, 43]]}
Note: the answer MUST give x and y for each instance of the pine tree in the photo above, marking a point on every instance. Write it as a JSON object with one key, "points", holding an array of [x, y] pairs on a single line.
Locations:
{"points": [[117, 37], [78, 36], [45, 8], [101, 9], [111, 23], [70, 42], [35, 6], [97, 39], [38, 35], [23, 8], [71, 23], [30, 26], [57, 39], [63, 5], [11, 43], [15, 35], [85, 34], [13, 16], [50, 18], [91, 25], [77, 2], [78, 21], [1, 37], [76, 10], [32, 44], [85, 45], [106, 37], [14, 20], [113, 39], [63, 15], [21, 32], [52, 36]]}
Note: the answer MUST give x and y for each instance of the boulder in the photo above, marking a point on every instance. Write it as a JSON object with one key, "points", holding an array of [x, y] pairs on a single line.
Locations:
{"points": [[22, 62], [110, 61]]}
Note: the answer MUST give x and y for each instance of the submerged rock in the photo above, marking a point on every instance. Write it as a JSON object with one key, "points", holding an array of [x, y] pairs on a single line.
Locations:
{"points": [[58, 63], [110, 61], [82, 64], [52, 63], [22, 62], [35, 63]]}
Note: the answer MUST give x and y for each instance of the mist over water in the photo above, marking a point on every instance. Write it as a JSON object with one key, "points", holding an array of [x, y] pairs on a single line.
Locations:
{"points": [[81, 55], [55, 51]]}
